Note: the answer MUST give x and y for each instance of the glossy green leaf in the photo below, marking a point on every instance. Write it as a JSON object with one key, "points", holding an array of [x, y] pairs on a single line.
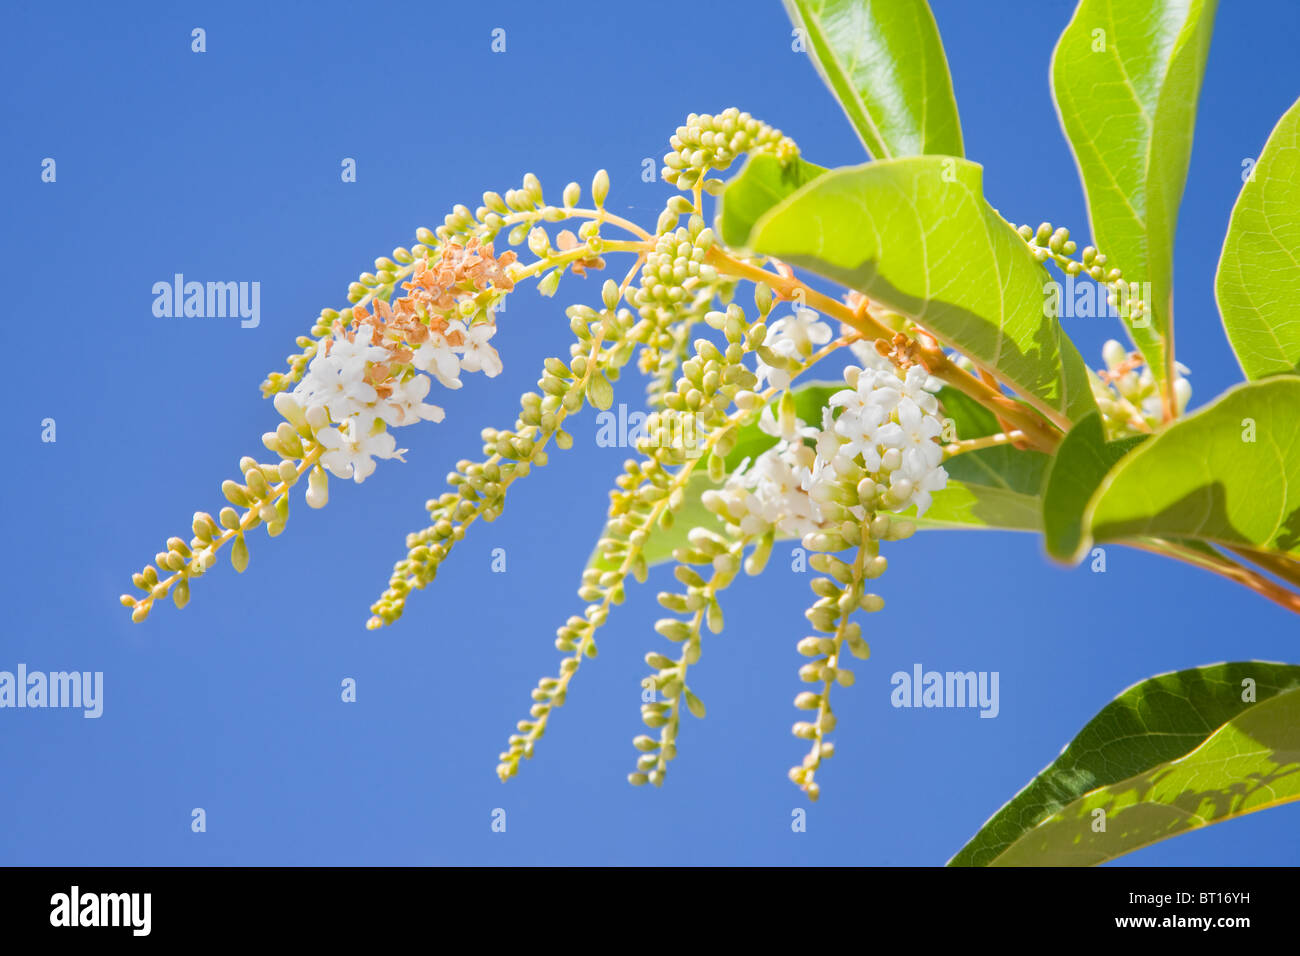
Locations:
{"points": [[884, 62], [1078, 467], [1228, 474], [764, 181], [917, 236], [1126, 76], [1258, 282], [1172, 753]]}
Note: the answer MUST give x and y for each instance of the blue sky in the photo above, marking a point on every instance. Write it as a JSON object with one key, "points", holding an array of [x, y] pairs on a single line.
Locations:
{"points": [[225, 166]]}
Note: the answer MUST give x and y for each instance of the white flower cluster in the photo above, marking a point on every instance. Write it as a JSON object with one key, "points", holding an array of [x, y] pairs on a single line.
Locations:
{"points": [[351, 394], [793, 337], [888, 426], [773, 492], [1129, 391]]}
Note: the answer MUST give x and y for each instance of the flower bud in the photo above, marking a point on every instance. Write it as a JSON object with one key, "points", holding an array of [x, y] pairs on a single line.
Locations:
{"points": [[600, 188], [317, 488], [235, 493]]}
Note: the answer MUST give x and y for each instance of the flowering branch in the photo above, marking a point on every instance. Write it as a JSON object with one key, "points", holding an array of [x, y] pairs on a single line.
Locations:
{"points": [[839, 484]]}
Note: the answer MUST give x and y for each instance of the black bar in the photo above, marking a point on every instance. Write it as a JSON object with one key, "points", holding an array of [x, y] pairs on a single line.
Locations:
{"points": [[338, 904]]}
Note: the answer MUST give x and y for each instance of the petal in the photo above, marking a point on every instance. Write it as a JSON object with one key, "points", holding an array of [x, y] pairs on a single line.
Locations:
{"points": [[337, 463]]}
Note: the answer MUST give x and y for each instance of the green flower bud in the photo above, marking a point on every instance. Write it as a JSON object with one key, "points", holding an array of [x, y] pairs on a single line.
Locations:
{"points": [[811, 673], [609, 294], [257, 483], [695, 705], [810, 646], [673, 629], [804, 730], [755, 563], [600, 392], [235, 493], [713, 617], [600, 188]]}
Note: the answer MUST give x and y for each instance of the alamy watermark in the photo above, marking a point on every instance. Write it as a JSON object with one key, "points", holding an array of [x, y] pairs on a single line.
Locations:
{"points": [[208, 300], [619, 428], [75, 908], [70, 689], [1079, 297], [946, 689]]}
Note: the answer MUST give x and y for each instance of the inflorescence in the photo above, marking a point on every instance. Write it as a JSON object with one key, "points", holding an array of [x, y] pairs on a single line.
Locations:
{"points": [[841, 486]]}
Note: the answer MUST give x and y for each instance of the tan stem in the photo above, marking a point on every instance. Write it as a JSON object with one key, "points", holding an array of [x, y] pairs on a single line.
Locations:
{"points": [[1224, 568]]}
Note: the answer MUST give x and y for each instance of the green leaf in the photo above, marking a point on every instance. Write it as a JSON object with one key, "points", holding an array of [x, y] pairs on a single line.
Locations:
{"points": [[763, 182], [1258, 282], [916, 236], [1081, 462], [884, 62], [993, 488], [1228, 474], [1126, 75], [1173, 753], [967, 505]]}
